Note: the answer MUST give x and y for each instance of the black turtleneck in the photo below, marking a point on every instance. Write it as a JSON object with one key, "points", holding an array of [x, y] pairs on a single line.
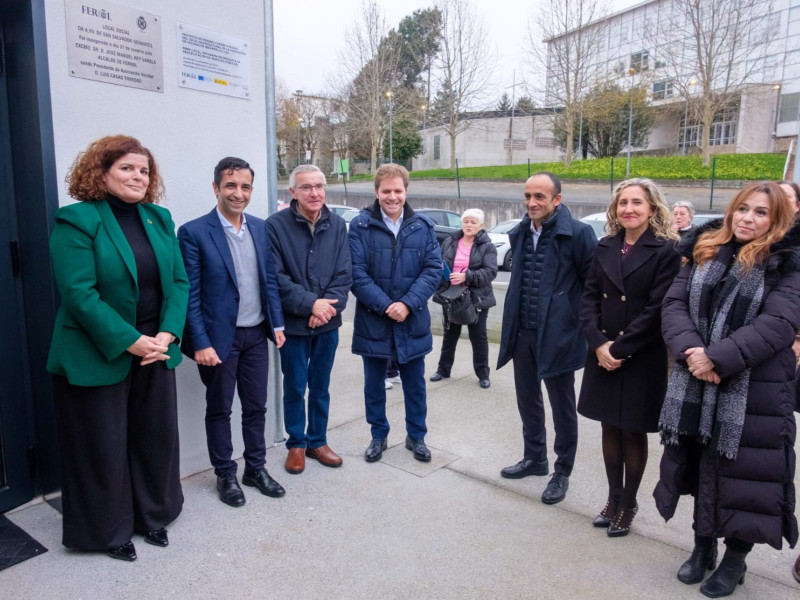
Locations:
{"points": [[148, 308]]}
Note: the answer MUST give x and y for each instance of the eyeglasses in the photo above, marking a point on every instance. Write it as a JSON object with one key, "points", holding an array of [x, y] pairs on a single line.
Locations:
{"points": [[307, 188]]}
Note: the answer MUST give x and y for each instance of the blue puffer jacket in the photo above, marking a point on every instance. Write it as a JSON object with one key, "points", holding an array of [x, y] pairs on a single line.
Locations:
{"points": [[386, 270]]}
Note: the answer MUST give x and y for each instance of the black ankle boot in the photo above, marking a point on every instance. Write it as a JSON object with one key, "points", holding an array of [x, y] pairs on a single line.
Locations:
{"points": [[702, 558], [730, 572]]}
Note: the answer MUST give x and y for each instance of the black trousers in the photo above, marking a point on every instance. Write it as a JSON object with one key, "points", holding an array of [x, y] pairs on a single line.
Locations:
{"points": [[561, 393], [480, 347], [244, 370], [120, 458]]}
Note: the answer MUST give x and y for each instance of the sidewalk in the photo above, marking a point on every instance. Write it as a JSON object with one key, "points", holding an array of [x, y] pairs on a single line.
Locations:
{"points": [[452, 528]]}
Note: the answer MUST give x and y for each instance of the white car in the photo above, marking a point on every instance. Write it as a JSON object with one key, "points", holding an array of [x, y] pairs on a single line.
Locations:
{"points": [[598, 221], [499, 236]]}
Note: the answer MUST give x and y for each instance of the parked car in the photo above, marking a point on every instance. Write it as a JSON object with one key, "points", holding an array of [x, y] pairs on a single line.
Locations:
{"points": [[340, 209], [348, 216], [499, 236], [445, 221], [598, 221]]}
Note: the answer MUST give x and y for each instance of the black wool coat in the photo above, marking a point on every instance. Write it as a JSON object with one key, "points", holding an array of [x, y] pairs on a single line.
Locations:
{"points": [[751, 498], [622, 304], [481, 271]]}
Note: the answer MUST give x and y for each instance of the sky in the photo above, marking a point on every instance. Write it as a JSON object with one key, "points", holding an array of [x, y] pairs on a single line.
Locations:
{"points": [[310, 34]]}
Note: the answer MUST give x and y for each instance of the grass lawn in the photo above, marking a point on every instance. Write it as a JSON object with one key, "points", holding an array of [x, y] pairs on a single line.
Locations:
{"points": [[729, 166]]}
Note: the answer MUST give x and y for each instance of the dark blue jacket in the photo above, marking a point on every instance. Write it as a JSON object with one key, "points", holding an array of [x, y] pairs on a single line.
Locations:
{"points": [[214, 292], [310, 267], [386, 270], [561, 345]]}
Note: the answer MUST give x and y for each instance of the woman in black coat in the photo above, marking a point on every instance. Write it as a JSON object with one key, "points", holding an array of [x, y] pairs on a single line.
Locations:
{"points": [[472, 260], [727, 422], [626, 367]]}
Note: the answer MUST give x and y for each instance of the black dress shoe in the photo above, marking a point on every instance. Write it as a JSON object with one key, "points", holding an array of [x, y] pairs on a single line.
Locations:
{"points": [[694, 569], [525, 468], [375, 449], [157, 537], [438, 376], [485, 383], [265, 484], [621, 525], [556, 490], [125, 552], [419, 449], [229, 491], [604, 518], [728, 575]]}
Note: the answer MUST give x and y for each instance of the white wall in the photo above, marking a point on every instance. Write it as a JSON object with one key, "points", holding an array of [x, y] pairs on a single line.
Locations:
{"points": [[188, 132]]}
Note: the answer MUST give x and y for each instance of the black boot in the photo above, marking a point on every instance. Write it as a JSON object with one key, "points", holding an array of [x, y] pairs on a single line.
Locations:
{"points": [[704, 556], [730, 572]]}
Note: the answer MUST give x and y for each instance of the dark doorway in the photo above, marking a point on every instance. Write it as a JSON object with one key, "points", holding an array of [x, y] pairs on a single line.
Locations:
{"points": [[17, 483]]}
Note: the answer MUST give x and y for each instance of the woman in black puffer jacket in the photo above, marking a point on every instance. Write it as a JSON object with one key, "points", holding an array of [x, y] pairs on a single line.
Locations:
{"points": [[727, 422], [472, 259]]}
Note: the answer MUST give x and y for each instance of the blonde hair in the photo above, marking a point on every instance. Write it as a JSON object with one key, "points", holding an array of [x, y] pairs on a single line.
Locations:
{"points": [[781, 217], [660, 220]]}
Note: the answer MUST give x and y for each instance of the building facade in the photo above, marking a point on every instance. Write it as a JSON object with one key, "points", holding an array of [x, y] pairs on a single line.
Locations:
{"points": [[651, 45]]}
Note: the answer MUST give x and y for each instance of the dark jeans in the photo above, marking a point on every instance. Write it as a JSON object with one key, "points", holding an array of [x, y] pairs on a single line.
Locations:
{"points": [[244, 370], [307, 361], [480, 347], [560, 392], [413, 375]]}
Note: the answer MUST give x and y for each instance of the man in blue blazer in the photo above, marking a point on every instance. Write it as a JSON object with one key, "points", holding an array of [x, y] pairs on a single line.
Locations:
{"points": [[234, 307]]}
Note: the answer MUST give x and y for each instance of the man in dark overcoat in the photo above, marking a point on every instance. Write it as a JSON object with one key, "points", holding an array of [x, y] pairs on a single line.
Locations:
{"points": [[540, 333]]}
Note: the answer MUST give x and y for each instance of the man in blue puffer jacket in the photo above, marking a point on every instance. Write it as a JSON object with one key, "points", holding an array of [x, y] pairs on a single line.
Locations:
{"points": [[397, 265]]}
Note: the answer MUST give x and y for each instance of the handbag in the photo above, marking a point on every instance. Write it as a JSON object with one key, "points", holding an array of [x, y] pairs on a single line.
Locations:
{"points": [[457, 306]]}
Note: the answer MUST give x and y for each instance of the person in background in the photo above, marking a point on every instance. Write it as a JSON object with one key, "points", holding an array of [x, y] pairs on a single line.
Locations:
{"points": [[234, 310], [727, 422], [392, 374], [793, 192], [540, 333], [472, 259], [397, 265], [625, 377], [124, 291], [682, 213]]}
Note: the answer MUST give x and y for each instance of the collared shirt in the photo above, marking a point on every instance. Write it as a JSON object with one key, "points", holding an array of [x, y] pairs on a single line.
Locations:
{"points": [[229, 226], [393, 227], [536, 234]]}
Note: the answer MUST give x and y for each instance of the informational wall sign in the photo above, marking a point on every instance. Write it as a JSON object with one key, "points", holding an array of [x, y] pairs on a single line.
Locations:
{"points": [[212, 61], [114, 44]]}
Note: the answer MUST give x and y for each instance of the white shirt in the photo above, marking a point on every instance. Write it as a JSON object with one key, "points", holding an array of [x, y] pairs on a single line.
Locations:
{"points": [[393, 227], [229, 226]]}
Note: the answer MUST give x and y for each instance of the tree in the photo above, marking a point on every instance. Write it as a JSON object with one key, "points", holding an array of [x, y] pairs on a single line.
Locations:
{"points": [[572, 48], [419, 35], [725, 43], [406, 140], [370, 71], [463, 67], [504, 105], [525, 105], [606, 109]]}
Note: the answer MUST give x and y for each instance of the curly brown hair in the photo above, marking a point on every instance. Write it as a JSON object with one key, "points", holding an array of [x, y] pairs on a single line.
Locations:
{"points": [[85, 176]]}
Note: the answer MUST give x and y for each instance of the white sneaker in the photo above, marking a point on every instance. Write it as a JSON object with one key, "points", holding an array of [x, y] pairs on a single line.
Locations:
{"points": [[395, 379], [388, 384]]}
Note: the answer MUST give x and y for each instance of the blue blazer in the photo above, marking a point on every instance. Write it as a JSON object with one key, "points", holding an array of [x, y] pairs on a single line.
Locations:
{"points": [[214, 291]]}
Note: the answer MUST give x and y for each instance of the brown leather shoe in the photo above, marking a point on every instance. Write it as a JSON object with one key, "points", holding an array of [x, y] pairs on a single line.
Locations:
{"points": [[296, 460], [325, 456]]}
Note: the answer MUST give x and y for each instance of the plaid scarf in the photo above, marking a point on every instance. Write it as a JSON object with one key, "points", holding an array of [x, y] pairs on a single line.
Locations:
{"points": [[709, 412]]}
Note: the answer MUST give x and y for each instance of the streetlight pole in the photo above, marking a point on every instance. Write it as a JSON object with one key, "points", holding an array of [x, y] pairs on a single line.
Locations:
{"points": [[686, 116], [630, 126], [391, 149], [297, 95]]}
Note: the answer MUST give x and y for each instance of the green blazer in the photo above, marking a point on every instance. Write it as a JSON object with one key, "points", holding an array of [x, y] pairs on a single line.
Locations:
{"points": [[95, 271]]}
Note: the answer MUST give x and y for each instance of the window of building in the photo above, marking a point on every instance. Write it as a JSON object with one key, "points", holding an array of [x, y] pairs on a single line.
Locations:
{"points": [[723, 128], [640, 61], [544, 142], [791, 65], [662, 89], [790, 104], [436, 146], [515, 144]]}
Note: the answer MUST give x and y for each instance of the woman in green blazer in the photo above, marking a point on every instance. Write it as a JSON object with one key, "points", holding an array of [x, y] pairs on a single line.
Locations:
{"points": [[124, 291]]}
